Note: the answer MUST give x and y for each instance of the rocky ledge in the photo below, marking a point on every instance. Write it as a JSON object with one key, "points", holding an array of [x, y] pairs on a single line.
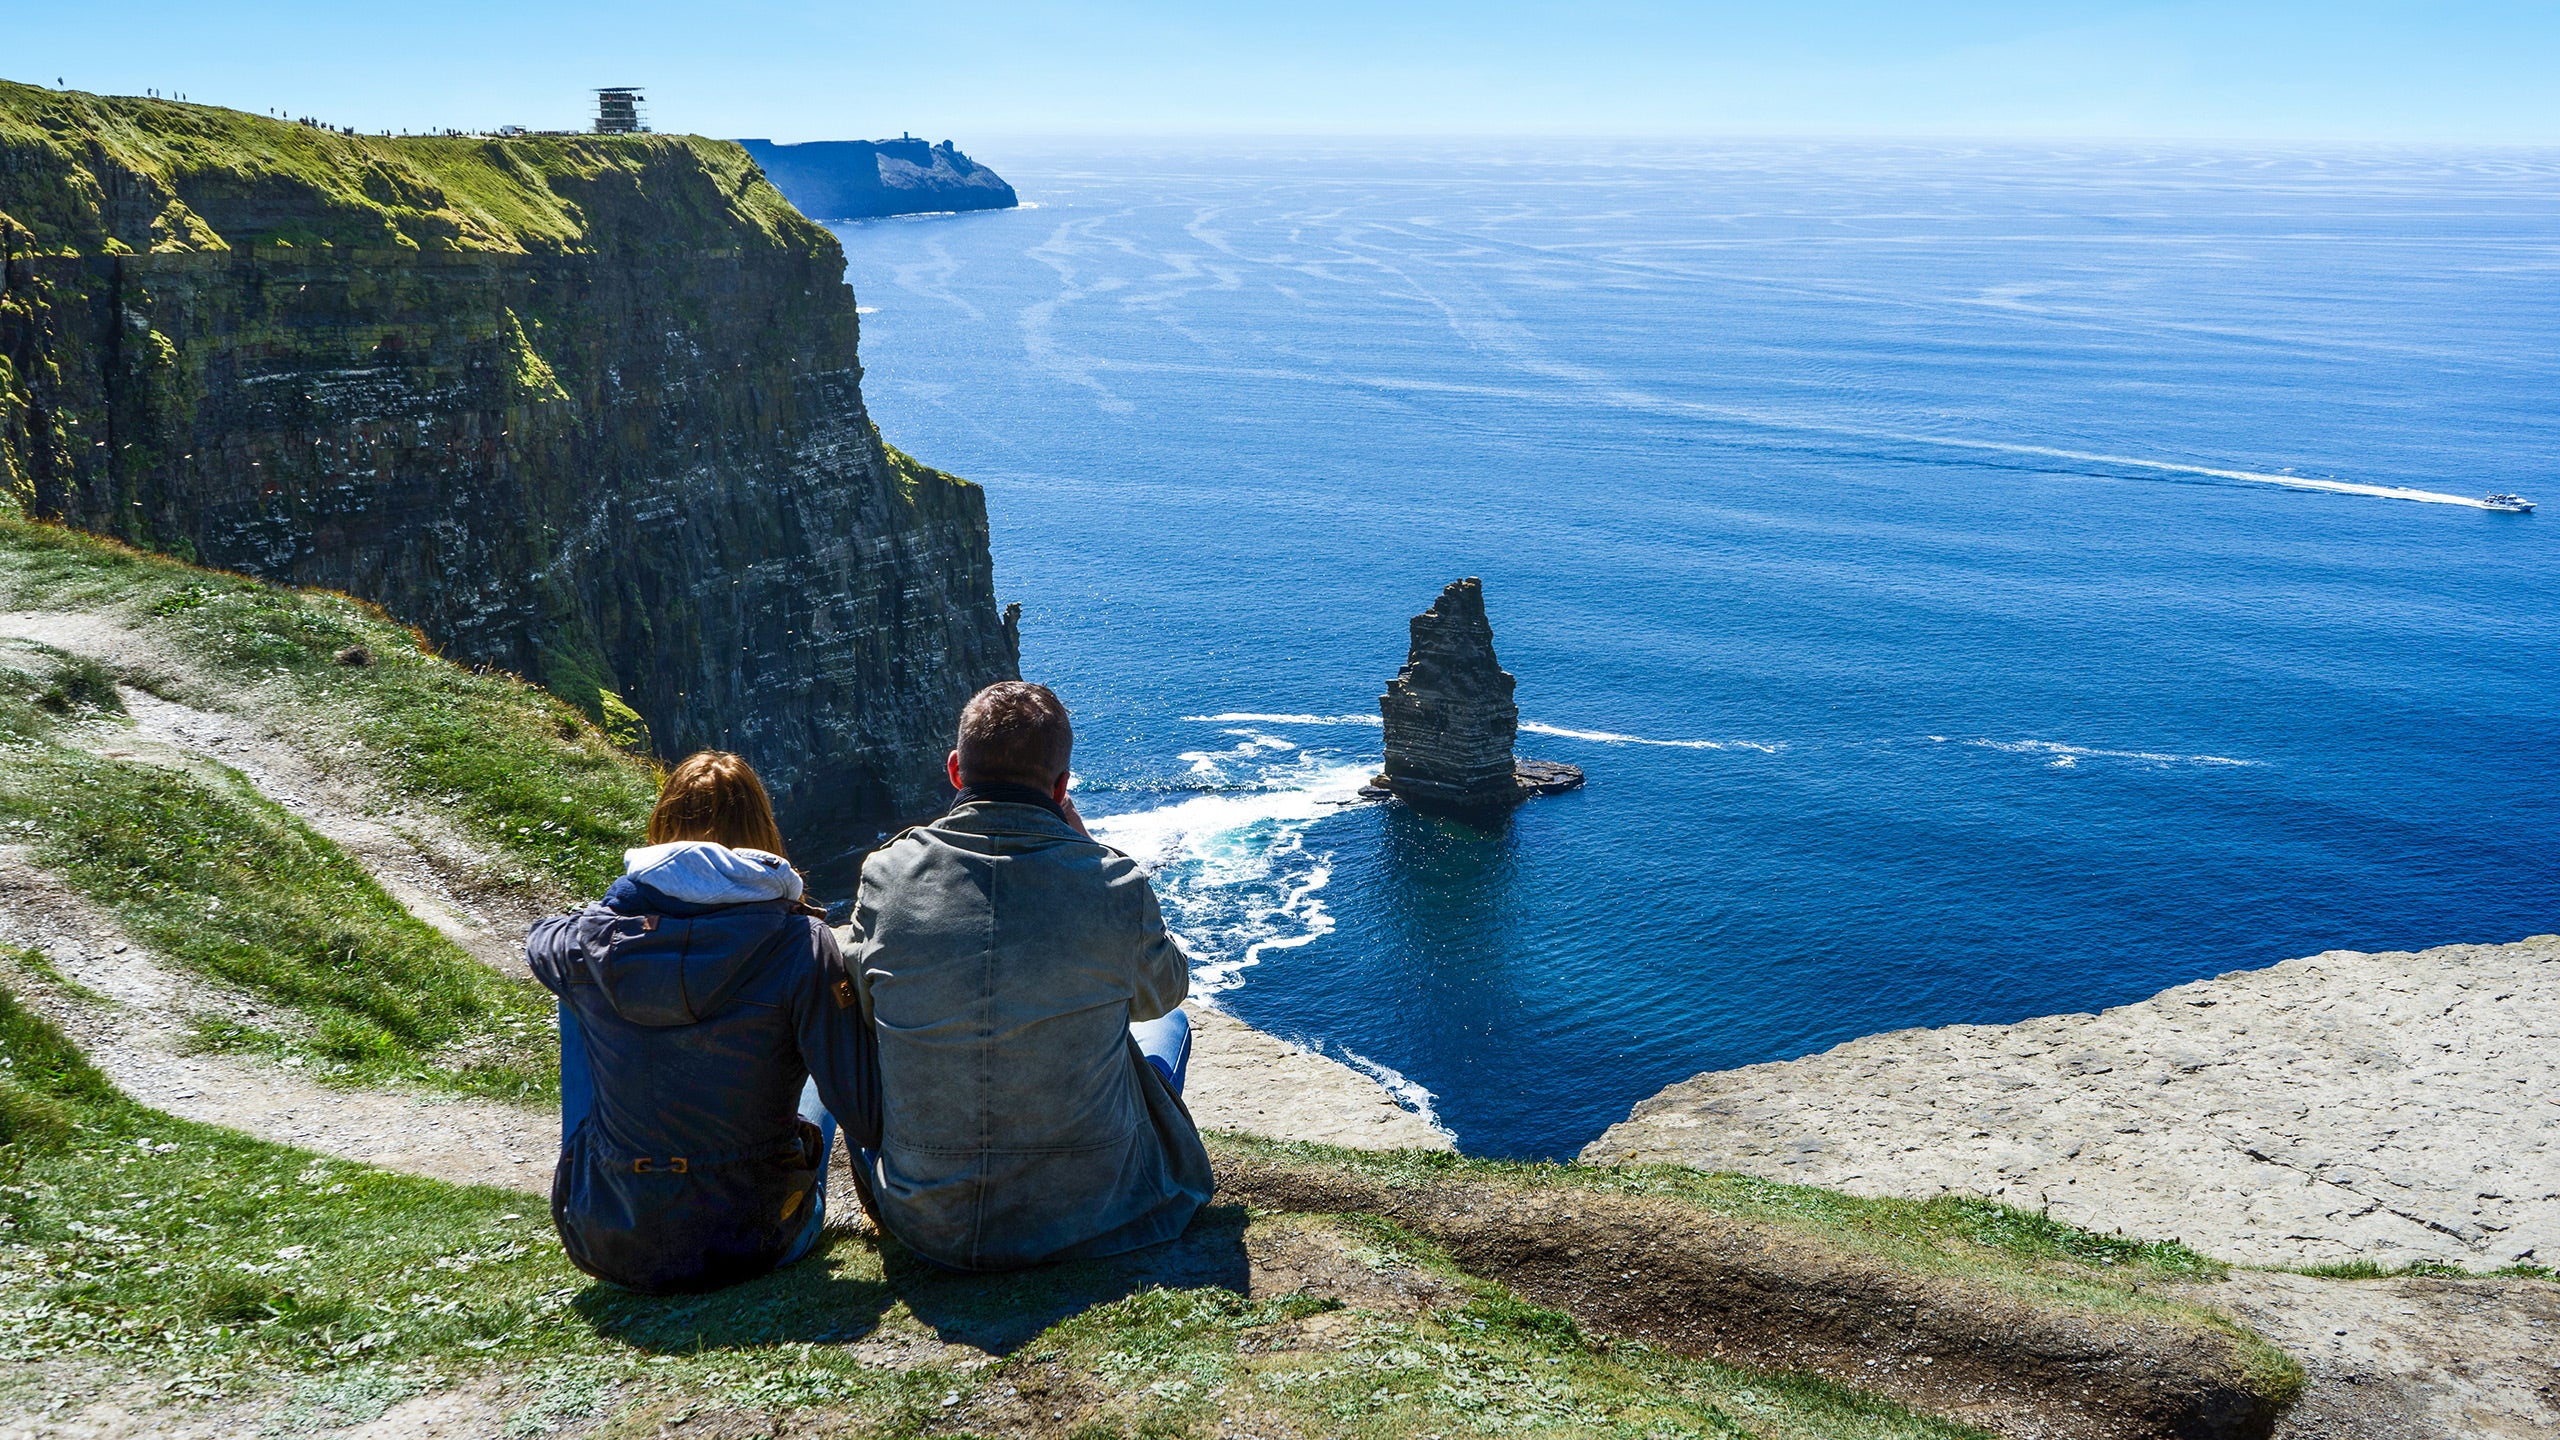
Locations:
{"points": [[1451, 721], [2397, 1107]]}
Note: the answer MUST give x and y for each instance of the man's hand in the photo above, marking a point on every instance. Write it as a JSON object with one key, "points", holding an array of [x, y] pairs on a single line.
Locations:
{"points": [[1067, 805]]}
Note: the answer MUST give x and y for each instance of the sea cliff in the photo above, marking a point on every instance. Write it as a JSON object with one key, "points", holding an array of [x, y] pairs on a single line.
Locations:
{"points": [[868, 179], [586, 408]]}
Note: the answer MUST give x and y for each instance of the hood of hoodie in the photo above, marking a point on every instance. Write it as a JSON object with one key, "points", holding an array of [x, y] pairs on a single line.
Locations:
{"points": [[677, 935], [700, 873]]}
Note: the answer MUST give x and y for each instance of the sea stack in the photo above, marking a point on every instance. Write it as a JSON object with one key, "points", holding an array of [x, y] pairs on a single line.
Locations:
{"points": [[1450, 718]]}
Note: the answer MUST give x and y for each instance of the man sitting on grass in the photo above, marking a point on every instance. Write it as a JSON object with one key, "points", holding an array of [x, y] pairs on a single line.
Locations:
{"points": [[1028, 1005]]}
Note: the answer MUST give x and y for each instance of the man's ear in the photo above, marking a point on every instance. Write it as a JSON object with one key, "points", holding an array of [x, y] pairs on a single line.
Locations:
{"points": [[1058, 792], [951, 767]]}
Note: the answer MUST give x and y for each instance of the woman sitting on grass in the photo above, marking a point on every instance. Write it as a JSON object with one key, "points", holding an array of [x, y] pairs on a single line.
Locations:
{"points": [[709, 1041]]}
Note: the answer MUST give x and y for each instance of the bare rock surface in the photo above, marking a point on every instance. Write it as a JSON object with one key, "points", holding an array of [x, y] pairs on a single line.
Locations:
{"points": [[2408, 1358], [2396, 1107], [1450, 718], [1258, 1084]]}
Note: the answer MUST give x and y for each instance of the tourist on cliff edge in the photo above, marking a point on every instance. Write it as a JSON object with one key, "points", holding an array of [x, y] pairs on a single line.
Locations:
{"points": [[709, 1041], [1028, 1008]]}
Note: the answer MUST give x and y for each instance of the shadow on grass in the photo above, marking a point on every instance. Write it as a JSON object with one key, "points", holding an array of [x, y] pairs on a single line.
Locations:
{"points": [[837, 1296]]}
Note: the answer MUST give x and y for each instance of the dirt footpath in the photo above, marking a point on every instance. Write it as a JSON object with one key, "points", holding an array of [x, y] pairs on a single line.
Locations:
{"points": [[1241, 1079], [137, 1035]]}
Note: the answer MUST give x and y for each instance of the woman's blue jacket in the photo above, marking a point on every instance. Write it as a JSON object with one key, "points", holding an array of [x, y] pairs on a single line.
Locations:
{"points": [[706, 995]]}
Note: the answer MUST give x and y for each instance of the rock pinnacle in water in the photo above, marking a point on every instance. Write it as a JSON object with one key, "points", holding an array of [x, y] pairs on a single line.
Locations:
{"points": [[1450, 718]]}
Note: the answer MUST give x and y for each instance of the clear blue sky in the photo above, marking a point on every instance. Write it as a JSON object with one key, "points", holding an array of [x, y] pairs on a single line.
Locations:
{"points": [[2340, 71]]}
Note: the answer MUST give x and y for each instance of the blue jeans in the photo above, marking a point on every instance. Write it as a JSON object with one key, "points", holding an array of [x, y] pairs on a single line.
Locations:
{"points": [[578, 1100], [1167, 1045]]}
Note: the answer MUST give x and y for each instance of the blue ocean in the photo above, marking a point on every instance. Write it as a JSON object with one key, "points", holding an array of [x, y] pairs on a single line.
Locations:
{"points": [[1979, 582]]}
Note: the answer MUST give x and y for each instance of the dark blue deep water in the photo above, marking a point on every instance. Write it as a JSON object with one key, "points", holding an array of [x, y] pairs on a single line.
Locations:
{"points": [[1876, 526]]}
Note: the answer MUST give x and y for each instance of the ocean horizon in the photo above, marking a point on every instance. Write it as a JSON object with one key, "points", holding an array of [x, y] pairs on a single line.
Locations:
{"points": [[1980, 581]]}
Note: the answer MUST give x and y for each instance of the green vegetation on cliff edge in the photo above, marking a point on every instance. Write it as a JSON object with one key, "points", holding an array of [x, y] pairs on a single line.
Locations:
{"points": [[185, 1262], [215, 1265], [209, 873], [101, 174]]}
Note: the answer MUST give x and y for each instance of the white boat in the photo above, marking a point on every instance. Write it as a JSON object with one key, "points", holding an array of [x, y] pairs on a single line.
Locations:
{"points": [[2503, 501]]}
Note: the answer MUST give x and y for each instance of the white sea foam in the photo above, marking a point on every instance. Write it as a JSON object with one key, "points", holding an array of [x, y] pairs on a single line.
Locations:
{"points": [[1611, 737], [1236, 717], [1234, 871], [1212, 764], [1534, 727], [2068, 756], [1408, 1093]]}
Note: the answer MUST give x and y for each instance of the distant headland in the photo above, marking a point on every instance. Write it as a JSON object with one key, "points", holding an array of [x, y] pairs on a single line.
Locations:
{"points": [[866, 179]]}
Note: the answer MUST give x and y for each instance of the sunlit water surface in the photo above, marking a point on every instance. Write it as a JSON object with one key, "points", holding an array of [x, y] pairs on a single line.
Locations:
{"points": [[1898, 537]]}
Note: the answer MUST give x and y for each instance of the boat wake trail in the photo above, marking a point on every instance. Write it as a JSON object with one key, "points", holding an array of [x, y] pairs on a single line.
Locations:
{"points": [[2168, 467]]}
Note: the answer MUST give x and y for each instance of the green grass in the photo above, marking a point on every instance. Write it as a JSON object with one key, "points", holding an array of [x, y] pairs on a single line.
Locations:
{"points": [[213, 179], [1179, 1362], [518, 773], [2419, 1269], [1946, 1233], [196, 1262], [209, 874]]}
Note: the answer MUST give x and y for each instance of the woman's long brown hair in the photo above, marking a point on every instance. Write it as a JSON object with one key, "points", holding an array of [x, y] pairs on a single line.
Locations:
{"points": [[715, 796]]}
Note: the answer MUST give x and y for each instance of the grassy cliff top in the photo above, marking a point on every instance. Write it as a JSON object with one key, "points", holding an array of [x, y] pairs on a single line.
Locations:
{"points": [[99, 174]]}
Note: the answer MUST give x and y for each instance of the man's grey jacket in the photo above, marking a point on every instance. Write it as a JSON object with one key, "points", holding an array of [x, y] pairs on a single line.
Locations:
{"points": [[1002, 955]]}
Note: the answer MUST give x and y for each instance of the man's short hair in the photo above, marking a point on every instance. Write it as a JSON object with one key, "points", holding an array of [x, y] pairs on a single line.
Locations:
{"points": [[1017, 733]]}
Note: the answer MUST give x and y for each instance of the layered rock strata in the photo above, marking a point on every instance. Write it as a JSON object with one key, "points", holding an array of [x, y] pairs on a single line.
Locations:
{"points": [[582, 407], [2394, 1107], [866, 179], [1450, 719]]}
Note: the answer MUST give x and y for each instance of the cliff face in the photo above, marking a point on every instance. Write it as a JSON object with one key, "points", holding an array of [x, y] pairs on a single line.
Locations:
{"points": [[586, 408], [865, 179]]}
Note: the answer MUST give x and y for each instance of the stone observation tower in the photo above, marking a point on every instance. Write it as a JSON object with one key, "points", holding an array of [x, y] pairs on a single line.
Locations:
{"points": [[1451, 720], [618, 111]]}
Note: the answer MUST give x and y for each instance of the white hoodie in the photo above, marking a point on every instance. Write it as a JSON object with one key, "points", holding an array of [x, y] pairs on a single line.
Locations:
{"points": [[705, 872]]}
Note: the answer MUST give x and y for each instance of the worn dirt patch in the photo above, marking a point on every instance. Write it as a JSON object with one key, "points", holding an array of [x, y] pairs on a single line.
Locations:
{"points": [[1759, 1296]]}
